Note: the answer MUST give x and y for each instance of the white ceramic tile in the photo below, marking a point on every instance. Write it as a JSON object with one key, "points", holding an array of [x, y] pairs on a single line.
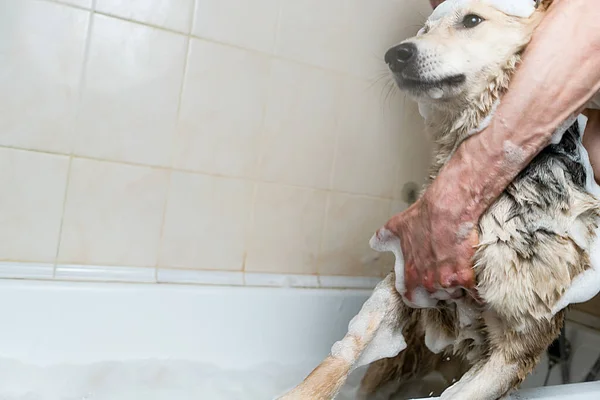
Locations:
{"points": [[346, 35], [78, 3], [33, 190], [314, 31], [206, 222], [16, 270], [200, 277], [397, 206], [348, 282], [113, 214], [244, 23], [281, 280], [41, 58], [286, 230], [351, 221], [376, 26], [300, 121], [131, 92], [222, 110], [105, 274], [170, 14], [368, 143], [414, 151]]}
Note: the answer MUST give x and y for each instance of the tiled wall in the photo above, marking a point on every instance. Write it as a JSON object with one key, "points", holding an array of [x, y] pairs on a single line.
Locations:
{"points": [[159, 136]]}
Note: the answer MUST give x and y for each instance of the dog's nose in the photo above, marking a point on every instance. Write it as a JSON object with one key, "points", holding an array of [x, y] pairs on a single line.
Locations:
{"points": [[397, 57]]}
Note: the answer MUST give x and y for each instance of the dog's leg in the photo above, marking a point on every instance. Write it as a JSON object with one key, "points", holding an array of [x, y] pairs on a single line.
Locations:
{"points": [[513, 354], [375, 333], [421, 369]]}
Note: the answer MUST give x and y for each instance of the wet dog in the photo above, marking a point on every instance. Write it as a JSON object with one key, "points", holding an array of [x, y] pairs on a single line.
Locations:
{"points": [[537, 241]]}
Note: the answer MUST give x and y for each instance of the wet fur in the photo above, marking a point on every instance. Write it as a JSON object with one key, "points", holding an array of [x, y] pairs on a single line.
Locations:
{"points": [[533, 242]]}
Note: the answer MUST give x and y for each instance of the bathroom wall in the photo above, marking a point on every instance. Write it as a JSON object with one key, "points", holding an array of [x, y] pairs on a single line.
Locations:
{"points": [[152, 140]]}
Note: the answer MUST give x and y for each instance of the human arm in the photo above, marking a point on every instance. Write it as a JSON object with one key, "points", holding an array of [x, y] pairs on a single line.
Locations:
{"points": [[437, 233]]}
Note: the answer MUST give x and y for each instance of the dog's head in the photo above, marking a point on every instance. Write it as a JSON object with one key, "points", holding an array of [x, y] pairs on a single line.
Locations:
{"points": [[464, 46]]}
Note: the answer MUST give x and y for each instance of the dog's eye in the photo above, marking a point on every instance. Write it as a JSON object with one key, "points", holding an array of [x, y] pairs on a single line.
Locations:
{"points": [[471, 21]]}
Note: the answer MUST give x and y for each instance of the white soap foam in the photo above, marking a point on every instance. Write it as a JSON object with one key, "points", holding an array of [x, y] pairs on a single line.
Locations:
{"points": [[148, 380], [517, 8], [386, 241], [379, 311], [586, 285], [436, 93]]}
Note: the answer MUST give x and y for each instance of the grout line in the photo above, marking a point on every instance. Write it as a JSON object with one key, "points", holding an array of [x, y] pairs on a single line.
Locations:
{"points": [[214, 175], [262, 138], [193, 17], [73, 124], [251, 225], [277, 26], [172, 156], [62, 217], [337, 130], [323, 230], [162, 226]]}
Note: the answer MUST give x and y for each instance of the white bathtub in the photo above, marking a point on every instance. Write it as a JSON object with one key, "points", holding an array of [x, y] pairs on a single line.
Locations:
{"points": [[238, 331]]}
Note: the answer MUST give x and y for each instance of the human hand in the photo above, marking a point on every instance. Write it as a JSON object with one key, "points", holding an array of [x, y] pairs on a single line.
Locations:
{"points": [[437, 244]]}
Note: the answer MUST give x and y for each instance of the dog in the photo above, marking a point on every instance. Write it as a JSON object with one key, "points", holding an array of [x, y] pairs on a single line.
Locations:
{"points": [[537, 241]]}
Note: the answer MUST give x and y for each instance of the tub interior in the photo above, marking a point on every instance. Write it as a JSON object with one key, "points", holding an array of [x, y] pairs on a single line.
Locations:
{"points": [[67, 341]]}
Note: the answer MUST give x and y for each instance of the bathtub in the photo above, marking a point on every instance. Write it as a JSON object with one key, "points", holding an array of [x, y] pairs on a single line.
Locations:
{"points": [[233, 343]]}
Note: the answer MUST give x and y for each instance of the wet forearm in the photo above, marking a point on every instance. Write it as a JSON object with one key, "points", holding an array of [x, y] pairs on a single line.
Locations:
{"points": [[559, 73]]}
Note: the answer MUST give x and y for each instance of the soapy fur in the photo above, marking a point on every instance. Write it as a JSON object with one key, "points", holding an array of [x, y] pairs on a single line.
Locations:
{"points": [[538, 248]]}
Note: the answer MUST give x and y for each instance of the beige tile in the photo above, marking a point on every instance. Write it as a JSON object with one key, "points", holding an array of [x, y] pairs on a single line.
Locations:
{"points": [[369, 142], [300, 121], [346, 35], [351, 221], [206, 222], [131, 93], [286, 231], [78, 3], [415, 152], [397, 206], [314, 37], [170, 14], [244, 23], [33, 190], [376, 26], [41, 58], [222, 110], [113, 214]]}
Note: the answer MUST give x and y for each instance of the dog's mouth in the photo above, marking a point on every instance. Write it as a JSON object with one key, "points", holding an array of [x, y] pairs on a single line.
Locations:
{"points": [[418, 84]]}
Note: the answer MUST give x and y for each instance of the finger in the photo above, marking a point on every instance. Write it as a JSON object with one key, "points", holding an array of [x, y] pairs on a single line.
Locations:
{"points": [[394, 222], [448, 277]]}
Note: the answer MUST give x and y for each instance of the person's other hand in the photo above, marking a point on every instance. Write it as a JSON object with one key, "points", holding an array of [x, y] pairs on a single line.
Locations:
{"points": [[437, 248]]}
